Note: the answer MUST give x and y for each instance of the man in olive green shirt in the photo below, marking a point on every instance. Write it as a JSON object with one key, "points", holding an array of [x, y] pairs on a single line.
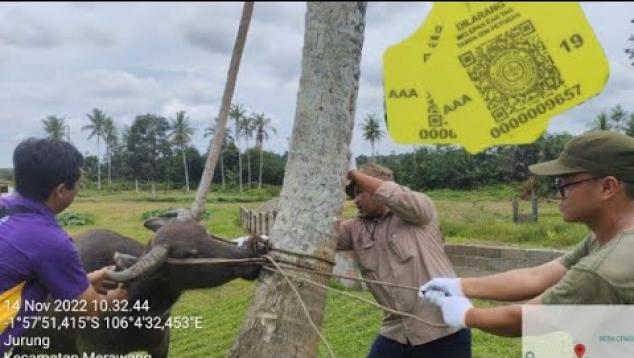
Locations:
{"points": [[595, 178]]}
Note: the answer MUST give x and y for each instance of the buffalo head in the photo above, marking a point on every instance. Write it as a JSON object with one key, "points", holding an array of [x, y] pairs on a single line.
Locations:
{"points": [[187, 240]]}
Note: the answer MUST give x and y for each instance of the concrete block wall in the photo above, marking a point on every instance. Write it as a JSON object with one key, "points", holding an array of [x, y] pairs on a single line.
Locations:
{"points": [[472, 260]]}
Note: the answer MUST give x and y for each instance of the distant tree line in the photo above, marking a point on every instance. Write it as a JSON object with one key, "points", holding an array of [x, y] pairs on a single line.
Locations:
{"points": [[155, 149], [448, 166]]}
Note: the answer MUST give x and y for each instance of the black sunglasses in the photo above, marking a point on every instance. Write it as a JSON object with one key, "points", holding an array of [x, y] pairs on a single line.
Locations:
{"points": [[561, 186]]}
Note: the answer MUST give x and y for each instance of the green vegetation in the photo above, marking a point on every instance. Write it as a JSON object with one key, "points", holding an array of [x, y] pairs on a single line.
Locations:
{"points": [[482, 216], [6, 174], [69, 218], [169, 212]]}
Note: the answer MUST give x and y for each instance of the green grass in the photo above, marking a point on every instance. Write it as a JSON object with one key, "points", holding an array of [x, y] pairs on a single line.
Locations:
{"points": [[489, 222], [350, 326]]}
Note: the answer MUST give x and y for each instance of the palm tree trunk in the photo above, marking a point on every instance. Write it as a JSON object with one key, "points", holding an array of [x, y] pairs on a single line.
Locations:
{"points": [[109, 166], [328, 90], [373, 160], [185, 166], [248, 162], [98, 165], [218, 139], [222, 169], [260, 180], [239, 167]]}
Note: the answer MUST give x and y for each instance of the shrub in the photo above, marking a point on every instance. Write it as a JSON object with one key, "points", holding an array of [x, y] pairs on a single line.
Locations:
{"points": [[161, 212], [75, 219]]}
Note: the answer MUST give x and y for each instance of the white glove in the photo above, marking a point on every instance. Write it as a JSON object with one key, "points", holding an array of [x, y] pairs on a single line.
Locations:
{"points": [[454, 308], [448, 286]]}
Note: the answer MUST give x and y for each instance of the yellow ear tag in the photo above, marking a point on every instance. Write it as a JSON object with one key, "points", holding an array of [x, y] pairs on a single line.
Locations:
{"points": [[498, 73]]}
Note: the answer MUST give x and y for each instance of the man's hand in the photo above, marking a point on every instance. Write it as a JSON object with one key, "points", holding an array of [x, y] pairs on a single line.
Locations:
{"points": [[448, 286], [454, 308], [100, 282], [352, 164], [118, 294]]}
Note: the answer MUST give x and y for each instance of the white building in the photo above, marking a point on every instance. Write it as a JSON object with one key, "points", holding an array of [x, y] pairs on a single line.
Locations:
{"points": [[6, 189]]}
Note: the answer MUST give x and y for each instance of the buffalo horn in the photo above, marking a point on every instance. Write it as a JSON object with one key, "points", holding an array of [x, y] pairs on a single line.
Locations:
{"points": [[146, 264]]}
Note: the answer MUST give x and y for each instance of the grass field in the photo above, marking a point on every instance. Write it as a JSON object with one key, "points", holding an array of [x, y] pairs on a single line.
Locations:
{"points": [[350, 325]]}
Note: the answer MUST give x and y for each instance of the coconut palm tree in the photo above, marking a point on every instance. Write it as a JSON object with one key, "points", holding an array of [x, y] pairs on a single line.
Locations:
{"points": [[181, 134], [372, 131], [236, 113], [618, 117], [111, 138], [262, 126], [54, 127], [332, 44], [247, 131], [96, 127], [601, 122], [210, 131]]}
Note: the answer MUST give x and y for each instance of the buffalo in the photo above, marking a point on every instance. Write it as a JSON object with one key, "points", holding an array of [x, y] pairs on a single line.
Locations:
{"points": [[153, 283]]}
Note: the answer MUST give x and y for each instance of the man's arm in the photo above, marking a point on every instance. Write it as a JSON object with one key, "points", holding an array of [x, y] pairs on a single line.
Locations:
{"points": [[502, 321], [515, 285], [365, 182], [344, 234], [410, 206], [60, 270]]}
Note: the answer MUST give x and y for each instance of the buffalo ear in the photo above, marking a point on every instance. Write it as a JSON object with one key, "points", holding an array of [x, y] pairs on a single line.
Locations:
{"points": [[155, 223]]}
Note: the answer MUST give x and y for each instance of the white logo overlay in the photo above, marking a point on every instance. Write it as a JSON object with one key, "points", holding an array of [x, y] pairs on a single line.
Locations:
{"points": [[577, 331]]}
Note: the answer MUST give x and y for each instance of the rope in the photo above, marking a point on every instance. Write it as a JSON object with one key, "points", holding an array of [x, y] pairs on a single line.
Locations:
{"points": [[299, 267], [302, 268], [330, 262], [213, 261], [301, 302], [400, 313], [382, 283]]}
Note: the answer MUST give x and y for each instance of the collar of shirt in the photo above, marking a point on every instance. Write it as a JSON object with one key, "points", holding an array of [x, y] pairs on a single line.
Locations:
{"points": [[39, 207]]}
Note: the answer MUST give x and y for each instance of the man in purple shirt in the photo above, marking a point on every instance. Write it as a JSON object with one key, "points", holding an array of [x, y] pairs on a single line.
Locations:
{"points": [[37, 258]]}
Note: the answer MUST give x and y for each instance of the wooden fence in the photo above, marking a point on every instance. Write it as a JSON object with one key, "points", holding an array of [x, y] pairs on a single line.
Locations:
{"points": [[257, 223], [532, 217]]}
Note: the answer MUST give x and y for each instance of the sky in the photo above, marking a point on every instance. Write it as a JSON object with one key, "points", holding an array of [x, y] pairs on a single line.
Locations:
{"points": [[134, 58]]}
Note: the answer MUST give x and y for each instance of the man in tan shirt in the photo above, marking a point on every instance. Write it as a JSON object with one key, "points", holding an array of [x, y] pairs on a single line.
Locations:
{"points": [[396, 238]]}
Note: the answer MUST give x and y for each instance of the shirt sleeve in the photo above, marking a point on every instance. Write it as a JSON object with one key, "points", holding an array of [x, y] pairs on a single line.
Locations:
{"points": [[344, 235], [61, 271], [413, 207], [581, 250], [580, 286]]}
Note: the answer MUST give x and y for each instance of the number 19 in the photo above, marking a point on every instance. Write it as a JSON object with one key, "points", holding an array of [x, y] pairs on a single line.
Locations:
{"points": [[575, 40]]}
